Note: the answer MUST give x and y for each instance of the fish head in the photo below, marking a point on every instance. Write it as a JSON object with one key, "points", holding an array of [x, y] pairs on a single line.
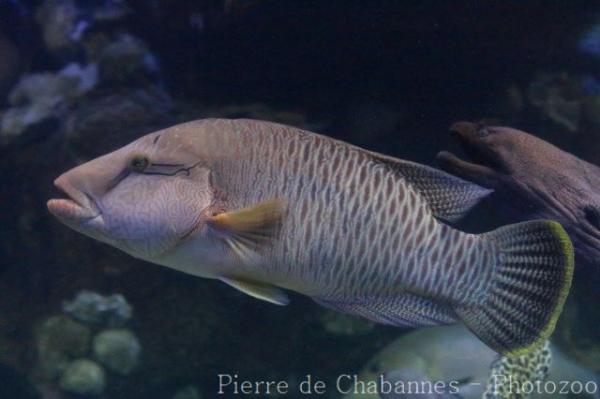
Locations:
{"points": [[514, 163], [533, 179], [494, 152], [143, 198]]}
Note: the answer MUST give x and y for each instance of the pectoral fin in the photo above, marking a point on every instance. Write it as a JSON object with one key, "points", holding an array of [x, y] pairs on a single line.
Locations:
{"points": [[259, 291], [247, 229]]}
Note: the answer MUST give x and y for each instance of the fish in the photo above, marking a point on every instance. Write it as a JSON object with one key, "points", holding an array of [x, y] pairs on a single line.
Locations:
{"points": [[267, 208], [532, 179], [511, 376], [465, 368]]}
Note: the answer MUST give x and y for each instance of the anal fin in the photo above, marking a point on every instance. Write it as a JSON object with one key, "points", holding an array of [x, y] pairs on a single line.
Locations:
{"points": [[404, 310]]}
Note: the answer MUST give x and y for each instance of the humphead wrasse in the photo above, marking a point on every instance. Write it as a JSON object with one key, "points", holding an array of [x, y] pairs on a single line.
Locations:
{"points": [[266, 208]]}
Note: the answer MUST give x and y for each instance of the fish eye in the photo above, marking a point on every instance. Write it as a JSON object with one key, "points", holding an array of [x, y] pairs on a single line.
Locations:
{"points": [[483, 131], [139, 163]]}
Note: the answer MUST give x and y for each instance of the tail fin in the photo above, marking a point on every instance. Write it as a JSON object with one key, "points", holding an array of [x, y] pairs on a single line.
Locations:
{"points": [[529, 286]]}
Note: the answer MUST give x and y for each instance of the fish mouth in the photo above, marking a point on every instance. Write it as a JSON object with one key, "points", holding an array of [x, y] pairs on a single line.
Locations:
{"points": [[79, 207], [480, 164]]}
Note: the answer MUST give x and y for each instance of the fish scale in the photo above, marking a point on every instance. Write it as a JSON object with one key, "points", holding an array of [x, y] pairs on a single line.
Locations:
{"points": [[357, 170]]}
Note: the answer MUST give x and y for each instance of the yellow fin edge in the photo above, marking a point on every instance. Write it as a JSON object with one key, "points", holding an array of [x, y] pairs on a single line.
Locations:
{"points": [[568, 251]]}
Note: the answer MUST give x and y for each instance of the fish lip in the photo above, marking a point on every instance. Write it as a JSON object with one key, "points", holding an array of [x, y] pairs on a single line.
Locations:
{"points": [[79, 206], [468, 135], [462, 132], [463, 129], [474, 161]]}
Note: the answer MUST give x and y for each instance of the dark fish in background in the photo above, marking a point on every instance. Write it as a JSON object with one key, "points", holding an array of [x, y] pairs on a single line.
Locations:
{"points": [[463, 367], [262, 206], [534, 179]]}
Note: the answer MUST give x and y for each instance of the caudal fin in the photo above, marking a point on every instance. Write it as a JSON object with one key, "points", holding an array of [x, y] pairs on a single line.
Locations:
{"points": [[529, 286]]}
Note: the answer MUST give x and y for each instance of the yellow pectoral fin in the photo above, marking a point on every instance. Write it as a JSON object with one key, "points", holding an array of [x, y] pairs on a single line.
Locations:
{"points": [[247, 229], [259, 291]]}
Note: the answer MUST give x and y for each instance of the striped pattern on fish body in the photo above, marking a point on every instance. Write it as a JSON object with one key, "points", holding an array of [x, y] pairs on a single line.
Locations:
{"points": [[354, 227], [262, 206]]}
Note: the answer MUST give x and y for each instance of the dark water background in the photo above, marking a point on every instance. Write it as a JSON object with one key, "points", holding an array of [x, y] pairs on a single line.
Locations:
{"points": [[390, 76]]}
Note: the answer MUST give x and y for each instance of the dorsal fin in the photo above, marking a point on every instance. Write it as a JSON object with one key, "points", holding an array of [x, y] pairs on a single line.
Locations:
{"points": [[449, 197]]}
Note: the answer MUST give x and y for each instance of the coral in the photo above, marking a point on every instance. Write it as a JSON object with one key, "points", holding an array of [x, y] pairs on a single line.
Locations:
{"points": [[343, 324], [58, 20], [118, 350], [589, 43], [71, 360], [117, 117], [45, 95], [83, 377], [571, 103], [59, 340], [110, 10], [93, 308], [124, 57], [558, 98], [65, 22]]}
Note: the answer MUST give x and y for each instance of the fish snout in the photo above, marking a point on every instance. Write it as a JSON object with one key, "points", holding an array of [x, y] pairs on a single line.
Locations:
{"points": [[78, 207], [468, 130], [480, 159], [478, 142]]}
